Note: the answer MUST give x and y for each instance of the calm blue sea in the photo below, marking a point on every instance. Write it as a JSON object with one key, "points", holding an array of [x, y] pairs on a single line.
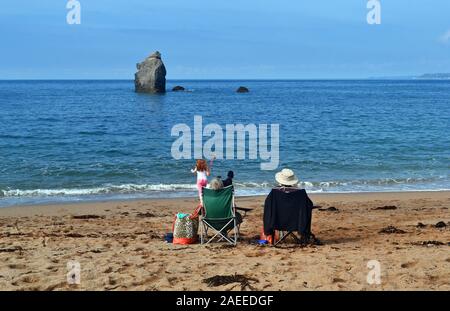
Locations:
{"points": [[95, 140]]}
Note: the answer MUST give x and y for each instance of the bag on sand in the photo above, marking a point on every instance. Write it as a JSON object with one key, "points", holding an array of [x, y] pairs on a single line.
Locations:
{"points": [[185, 228]]}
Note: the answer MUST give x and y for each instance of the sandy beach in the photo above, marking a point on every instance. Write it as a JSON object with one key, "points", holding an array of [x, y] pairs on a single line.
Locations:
{"points": [[120, 246]]}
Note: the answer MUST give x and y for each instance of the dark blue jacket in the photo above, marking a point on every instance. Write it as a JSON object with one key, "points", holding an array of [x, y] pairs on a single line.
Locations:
{"points": [[288, 209]]}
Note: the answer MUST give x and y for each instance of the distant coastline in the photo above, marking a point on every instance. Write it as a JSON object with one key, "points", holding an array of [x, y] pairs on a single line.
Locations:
{"points": [[435, 76], [425, 76]]}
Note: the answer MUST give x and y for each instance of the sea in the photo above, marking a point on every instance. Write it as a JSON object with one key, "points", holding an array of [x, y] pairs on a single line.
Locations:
{"points": [[82, 140]]}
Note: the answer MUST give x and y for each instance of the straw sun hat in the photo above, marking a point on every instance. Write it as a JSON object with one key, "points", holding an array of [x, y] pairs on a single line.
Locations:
{"points": [[286, 177]]}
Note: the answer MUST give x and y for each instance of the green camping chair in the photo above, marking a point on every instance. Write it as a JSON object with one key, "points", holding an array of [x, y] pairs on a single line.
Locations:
{"points": [[218, 215]]}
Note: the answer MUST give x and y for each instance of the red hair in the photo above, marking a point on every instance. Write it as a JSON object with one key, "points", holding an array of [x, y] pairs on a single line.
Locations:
{"points": [[201, 165]]}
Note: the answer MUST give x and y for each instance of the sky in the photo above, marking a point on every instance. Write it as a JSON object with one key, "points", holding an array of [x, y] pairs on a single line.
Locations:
{"points": [[228, 39]]}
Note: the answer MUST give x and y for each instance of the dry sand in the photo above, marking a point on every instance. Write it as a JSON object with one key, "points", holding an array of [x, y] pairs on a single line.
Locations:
{"points": [[123, 249]]}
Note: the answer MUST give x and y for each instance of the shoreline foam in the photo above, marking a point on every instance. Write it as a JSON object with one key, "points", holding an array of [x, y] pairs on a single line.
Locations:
{"points": [[13, 197]]}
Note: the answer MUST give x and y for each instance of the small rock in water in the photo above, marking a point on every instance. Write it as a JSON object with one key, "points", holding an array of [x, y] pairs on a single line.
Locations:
{"points": [[178, 88], [242, 89]]}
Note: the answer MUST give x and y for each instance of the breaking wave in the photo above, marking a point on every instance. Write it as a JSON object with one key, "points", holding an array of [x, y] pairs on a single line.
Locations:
{"points": [[241, 188], [105, 190]]}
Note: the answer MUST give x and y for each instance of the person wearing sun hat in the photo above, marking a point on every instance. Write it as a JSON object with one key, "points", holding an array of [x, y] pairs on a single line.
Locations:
{"points": [[286, 178], [288, 208]]}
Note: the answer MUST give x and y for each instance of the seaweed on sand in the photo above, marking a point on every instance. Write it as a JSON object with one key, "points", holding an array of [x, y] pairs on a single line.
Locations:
{"points": [[145, 215], [86, 217], [329, 209], [219, 280], [11, 250], [440, 224], [431, 243], [390, 230], [385, 208]]}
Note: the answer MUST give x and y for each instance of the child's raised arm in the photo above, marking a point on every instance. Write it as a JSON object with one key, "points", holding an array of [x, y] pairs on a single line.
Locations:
{"points": [[208, 171]]}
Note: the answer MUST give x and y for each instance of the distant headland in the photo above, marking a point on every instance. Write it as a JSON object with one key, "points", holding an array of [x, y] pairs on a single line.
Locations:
{"points": [[426, 76], [435, 76]]}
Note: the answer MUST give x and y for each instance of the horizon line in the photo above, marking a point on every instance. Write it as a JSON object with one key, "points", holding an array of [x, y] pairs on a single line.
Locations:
{"points": [[227, 79]]}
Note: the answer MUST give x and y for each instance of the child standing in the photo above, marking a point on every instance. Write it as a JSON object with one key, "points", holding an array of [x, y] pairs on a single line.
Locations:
{"points": [[202, 170]]}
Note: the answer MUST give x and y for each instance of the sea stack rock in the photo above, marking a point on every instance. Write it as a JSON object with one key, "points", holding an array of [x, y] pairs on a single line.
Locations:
{"points": [[151, 75], [242, 89]]}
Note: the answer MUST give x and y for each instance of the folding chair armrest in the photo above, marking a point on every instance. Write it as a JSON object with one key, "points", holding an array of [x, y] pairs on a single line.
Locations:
{"points": [[243, 209], [213, 219]]}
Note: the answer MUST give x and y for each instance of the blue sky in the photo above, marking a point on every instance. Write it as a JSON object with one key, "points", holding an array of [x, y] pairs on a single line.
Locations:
{"points": [[212, 39]]}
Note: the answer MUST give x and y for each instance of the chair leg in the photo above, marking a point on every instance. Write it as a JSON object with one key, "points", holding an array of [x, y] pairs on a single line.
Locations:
{"points": [[282, 238], [204, 235], [297, 239], [236, 232], [222, 237], [219, 234], [201, 232]]}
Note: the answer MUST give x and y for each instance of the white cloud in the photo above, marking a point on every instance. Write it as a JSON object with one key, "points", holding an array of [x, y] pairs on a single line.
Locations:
{"points": [[445, 38]]}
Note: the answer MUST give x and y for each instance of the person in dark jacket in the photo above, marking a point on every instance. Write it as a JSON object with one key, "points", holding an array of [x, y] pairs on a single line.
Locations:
{"points": [[229, 180], [288, 208]]}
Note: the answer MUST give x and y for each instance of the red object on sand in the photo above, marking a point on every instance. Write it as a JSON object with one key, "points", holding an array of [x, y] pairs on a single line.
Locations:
{"points": [[270, 238]]}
